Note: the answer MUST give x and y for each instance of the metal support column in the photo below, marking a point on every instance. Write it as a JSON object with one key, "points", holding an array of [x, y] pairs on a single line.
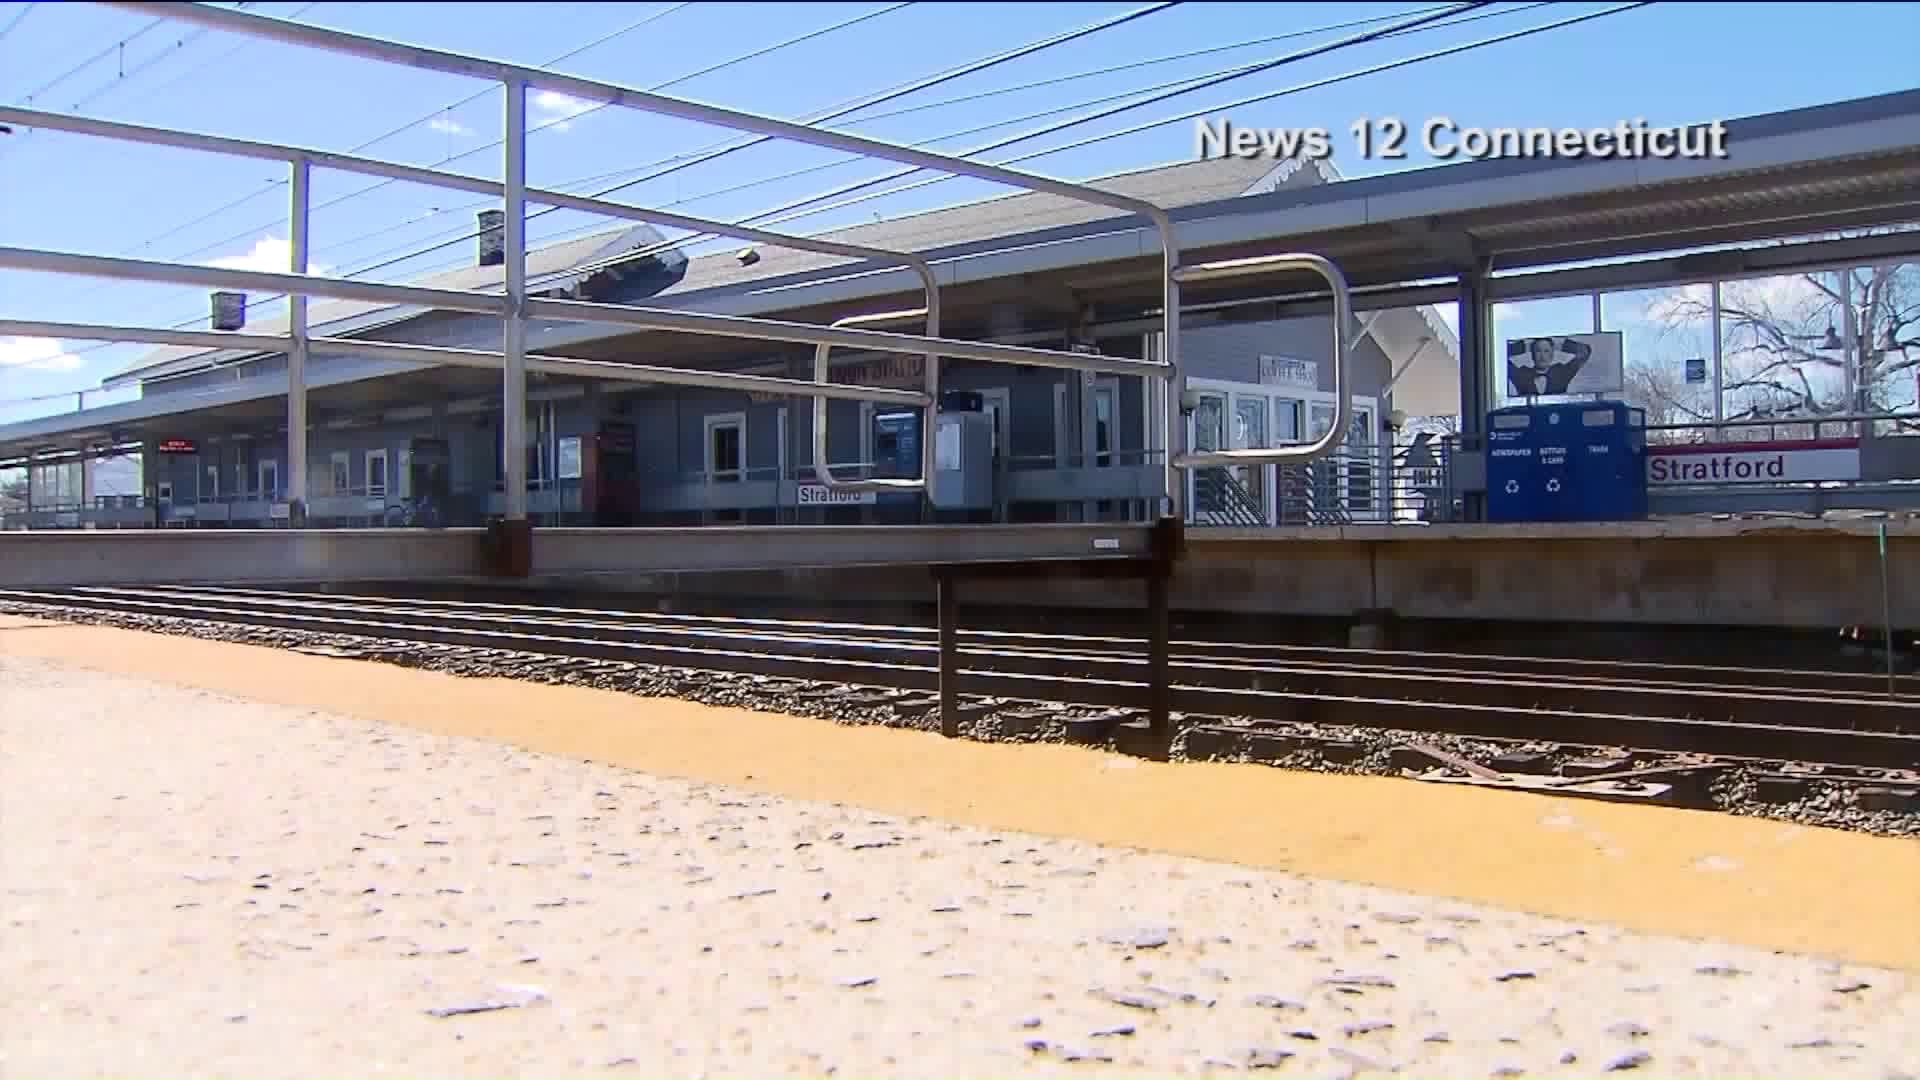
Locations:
{"points": [[949, 604], [1159, 687], [1476, 372], [1169, 536], [513, 422], [1719, 383], [296, 478]]}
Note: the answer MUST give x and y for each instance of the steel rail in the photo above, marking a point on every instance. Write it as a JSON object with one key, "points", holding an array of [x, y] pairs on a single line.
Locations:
{"points": [[1795, 742], [1858, 712], [1217, 651]]}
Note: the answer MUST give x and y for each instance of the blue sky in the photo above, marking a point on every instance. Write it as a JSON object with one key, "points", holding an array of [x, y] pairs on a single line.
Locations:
{"points": [[1671, 63]]}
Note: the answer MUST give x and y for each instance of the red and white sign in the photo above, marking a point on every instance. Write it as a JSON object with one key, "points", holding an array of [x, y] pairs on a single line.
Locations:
{"points": [[1802, 462]]}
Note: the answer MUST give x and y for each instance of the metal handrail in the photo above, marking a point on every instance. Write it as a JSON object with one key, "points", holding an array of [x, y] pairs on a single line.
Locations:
{"points": [[1342, 314], [515, 307], [821, 371]]}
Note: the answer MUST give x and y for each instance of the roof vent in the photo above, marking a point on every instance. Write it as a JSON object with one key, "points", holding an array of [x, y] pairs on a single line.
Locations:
{"points": [[747, 256], [493, 237], [229, 310]]}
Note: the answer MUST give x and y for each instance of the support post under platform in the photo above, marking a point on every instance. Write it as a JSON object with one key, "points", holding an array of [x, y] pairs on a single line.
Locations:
{"points": [[1169, 539], [949, 656]]}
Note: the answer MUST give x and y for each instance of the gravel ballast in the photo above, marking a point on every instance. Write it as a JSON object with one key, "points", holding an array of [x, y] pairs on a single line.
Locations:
{"points": [[1825, 803]]}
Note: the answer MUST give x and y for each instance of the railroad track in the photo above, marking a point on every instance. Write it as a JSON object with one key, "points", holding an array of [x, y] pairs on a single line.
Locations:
{"points": [[1735, 713]]}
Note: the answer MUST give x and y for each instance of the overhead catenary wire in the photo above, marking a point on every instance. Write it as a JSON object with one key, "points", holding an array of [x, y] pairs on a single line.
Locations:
{"points": [[719, 150], [971, 67], [557, 122], [90, 61], [1425, 20], [1415, 24], [375, 141], [1222, 78], [1374, 69], [1193, 115], [14, 23]]}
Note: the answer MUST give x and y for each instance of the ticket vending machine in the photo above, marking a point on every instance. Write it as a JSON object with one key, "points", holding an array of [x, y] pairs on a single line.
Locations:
{"points": [[896, 445]]}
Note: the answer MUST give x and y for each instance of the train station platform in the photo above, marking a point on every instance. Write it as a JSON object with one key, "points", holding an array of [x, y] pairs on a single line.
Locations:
{"points": [[1790, 573]]}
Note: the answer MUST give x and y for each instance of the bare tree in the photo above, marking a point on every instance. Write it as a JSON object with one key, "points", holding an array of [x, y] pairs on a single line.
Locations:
{"points": [[1668, 400], [1816, 344]]}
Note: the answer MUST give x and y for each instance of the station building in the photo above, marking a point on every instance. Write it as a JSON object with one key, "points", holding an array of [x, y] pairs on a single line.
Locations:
{"points": [[394, 443]]}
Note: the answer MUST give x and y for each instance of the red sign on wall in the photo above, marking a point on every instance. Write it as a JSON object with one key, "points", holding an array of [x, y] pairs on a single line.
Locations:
{"points": [[179, 446]]}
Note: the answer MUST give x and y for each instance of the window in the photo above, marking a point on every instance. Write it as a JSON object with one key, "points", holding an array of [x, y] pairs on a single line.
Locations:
{"points": [[866, 438], [269, 479], [1105, 406], [726, 448], [377, 473], [342, 477]]}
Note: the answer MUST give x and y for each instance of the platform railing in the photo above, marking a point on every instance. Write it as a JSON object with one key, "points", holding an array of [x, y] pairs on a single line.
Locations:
{"points": [[516, 306]]}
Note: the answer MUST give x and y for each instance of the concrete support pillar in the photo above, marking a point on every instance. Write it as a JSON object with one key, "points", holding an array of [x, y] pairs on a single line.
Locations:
{"points": [[1476, 370], [296, 478], [87, 458], [150, 480]]}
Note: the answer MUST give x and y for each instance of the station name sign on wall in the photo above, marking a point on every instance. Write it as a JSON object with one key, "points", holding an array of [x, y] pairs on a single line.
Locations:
{"points": [[822, 495], [1749, 463], [904, 372], [178, 446]]}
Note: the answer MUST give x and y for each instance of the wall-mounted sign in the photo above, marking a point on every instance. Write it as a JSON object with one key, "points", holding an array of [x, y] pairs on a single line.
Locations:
{"points": [[179, 446], [1565, 364], [822, 495], [1696, 369], [1289, 371], [569, 459], [1753, 463]]}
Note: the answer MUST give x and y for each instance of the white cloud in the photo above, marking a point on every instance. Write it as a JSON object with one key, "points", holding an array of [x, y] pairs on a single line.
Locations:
{"points": [[556, 110], [448, 125], [37, 354], [269, 253]]}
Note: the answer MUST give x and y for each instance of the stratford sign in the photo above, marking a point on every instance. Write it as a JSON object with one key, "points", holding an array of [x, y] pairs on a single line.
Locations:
{"points": [[1801, 462]]}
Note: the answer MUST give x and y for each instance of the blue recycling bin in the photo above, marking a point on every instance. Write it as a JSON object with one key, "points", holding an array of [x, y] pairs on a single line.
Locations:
{"points": [[1578, 461]]}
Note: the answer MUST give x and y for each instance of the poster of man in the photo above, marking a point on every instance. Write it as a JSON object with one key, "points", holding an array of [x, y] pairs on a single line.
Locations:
{"points": [[1569, 364]]}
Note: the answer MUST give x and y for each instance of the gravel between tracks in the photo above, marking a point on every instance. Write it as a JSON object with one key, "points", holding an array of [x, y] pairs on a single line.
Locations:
{"points": [[1826, 805], [198, 884]]}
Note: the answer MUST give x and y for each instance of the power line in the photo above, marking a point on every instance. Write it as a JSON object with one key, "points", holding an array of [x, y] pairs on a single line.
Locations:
{"points": [[90, 61], [1375, 69], [796, 173], [1417, 25], [727, 146], [769, 216], [241, 46], [1426, 19], [339, 199], [903, 89], [277, 184], [723, 148], [1255, 99], [710, 69], [16, 21]]}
